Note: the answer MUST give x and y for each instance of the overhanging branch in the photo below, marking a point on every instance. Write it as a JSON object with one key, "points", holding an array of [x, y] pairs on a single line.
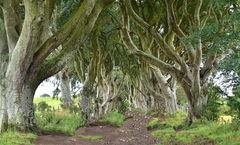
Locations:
{"points": [[65, 33]]}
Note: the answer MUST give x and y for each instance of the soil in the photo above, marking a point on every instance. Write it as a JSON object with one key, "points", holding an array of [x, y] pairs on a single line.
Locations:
{"points": [[133, 132]]}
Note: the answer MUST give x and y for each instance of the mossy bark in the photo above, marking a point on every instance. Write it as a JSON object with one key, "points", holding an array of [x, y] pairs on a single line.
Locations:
{"points": [[3, 68], [65, 89], [27, 66]]}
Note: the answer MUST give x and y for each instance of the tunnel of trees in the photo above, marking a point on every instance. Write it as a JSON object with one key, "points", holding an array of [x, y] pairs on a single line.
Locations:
{"points": [[134, 52]]}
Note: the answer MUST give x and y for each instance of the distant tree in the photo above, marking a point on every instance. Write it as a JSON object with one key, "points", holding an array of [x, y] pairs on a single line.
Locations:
{"points": [[45, 95], [66, 98]]}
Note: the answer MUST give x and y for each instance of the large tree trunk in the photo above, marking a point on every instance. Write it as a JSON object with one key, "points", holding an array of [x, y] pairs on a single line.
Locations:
{"points": [[163, 90], [197, 105], [165, 104], [141, 100], [85, 103], [107, 92], [20, 109], [104, 93], [168, 89], [3, 107], [88, 89], [65, 89], [196, 99], [28, 49], [3, 68]]}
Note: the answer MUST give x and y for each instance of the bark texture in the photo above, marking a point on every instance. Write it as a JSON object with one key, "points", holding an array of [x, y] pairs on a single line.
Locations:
{"points": [[65, 89], [30, 48], [3, 68], [190, 70]]}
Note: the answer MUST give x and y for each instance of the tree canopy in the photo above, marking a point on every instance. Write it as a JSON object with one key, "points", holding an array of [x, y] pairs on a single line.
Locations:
{"points": [[135, 51]]}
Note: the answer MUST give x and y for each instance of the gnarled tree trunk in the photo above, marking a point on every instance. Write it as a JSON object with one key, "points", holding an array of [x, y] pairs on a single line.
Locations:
{"points": [[196, 101], [28, 49], [20, 109], [192, 72], [107, 92], [65, 89], [88, 90], [3, 68]]}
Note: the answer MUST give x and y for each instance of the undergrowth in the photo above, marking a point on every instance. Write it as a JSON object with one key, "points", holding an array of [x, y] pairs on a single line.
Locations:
{"points": [[114, 118], [61, 121], [16, 138], [171, 130]]}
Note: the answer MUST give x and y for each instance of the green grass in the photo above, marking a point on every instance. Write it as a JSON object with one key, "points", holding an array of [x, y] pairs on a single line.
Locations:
{"points": [[16, 138], [91, 137], [154, 123], [175, 119], [113, 118], [200, 132], [54, 103], [170, 120], [61, 121]]}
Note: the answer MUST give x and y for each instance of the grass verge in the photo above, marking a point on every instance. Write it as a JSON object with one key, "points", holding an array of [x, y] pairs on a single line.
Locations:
{"points": [[114, 118], [60, 122], [16, 138], [200, 132]]}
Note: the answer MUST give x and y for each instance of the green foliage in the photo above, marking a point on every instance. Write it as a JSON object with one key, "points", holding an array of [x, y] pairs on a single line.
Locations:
{"points": [[91, 137], [168, 121], [231, 63], [66, 9], [224, 108], [181, 96], [53, 103], [150, 10], [16, 138], [199, 132], [43, 106], [114, 118], [175, 119], [234, 104], [236, 124], [74, 109], [164, 134], [62, 122], [122, 104], [212, 109], [65, 121], [156, 124]]}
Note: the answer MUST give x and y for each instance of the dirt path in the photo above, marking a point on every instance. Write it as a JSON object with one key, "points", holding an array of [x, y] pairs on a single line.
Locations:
{"points": [[133, 132]]}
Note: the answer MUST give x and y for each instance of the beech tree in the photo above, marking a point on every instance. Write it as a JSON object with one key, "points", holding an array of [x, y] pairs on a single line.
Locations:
{"points": [[96, 70], [29, 48], [195, 35], [66, 97]]}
